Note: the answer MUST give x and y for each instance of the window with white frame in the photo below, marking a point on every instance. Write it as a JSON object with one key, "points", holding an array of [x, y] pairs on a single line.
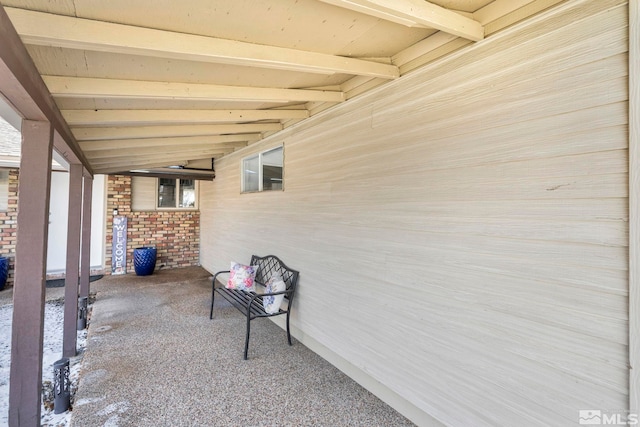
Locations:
{"points": [[263, 171], [177, 193]]}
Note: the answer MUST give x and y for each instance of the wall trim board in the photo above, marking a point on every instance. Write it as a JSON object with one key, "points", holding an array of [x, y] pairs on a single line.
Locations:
{"points": [[634, 207]]}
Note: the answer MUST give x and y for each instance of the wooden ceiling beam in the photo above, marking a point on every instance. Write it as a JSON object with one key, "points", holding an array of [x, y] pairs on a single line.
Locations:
{"points": [[150, 153], [172, 173], [223, 146], [416, 13], [119, 165], [23, 89], [178, 151], [162, 143], [116, 167], [130, 132], [83, 87], [47, 29], [115, 118], [498, 8]]}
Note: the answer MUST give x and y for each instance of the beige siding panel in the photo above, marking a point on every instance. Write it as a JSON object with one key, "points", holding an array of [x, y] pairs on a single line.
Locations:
{"points": [[143, 193], [634, 206], [462, 237]]}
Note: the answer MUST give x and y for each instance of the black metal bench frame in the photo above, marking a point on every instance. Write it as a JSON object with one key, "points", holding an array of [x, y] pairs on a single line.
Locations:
{"points": [[250, 303]]}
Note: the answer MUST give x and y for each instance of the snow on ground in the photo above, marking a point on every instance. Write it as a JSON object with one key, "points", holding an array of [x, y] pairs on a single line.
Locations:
{"points": [[52, 351]]}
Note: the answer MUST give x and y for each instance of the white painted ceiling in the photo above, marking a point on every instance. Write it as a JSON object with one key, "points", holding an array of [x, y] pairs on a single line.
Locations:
{"points": [[153, 83]]}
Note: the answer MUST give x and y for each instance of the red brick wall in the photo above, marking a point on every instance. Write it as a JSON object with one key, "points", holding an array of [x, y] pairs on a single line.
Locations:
{"points": [[175, 234], [9, 225]]}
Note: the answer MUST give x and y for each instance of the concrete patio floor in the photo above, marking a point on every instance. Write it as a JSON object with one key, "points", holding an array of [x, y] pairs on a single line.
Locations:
{"points": [[153, 358]]}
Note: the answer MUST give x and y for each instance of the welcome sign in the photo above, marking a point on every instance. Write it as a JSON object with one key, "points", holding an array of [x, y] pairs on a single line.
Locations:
{"points": [[119, 246]]}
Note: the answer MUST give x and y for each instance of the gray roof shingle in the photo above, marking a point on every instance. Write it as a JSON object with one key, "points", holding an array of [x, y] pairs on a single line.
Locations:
{"points": [[10, 139]]}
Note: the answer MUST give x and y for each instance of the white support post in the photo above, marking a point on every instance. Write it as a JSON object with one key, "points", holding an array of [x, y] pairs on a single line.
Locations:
{"points": [[72, 273], [85, 258]]}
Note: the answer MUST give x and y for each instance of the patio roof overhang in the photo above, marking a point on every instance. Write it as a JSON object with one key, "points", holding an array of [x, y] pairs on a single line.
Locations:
{"points": [[137, 86], [22, 88], [128, 86]]}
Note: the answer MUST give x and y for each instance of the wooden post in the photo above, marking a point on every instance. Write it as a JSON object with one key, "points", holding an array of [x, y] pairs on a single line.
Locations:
{"points": [[85, 258], [25, 386], [73, 261]]}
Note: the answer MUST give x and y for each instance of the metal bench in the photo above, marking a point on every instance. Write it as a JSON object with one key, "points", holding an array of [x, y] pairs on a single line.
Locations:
{"points": [[250, 303]]}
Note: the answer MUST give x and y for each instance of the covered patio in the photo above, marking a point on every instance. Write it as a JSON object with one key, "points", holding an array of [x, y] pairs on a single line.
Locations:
{"points": [[457, 183], [154, 358]]}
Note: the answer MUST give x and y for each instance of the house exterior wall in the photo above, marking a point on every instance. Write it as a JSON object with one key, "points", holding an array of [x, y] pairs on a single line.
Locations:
{"points": [[58, 223], [462, 233], [175, 234], [9, 225], [57, 236]]}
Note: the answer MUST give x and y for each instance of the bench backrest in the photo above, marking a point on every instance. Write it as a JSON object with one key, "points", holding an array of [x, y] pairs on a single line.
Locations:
{"points": [[270, 264]]}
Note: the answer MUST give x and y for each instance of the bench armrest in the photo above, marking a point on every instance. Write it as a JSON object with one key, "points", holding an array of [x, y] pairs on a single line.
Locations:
{"points": [[213, 281]]}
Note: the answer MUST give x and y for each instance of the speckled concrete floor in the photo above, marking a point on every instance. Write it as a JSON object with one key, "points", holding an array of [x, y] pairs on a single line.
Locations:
{"points": [[154, 358]]}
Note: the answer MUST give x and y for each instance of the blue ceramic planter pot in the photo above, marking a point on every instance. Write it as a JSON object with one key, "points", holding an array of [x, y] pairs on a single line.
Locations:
{"points": [[144, 260], [4, 271]]}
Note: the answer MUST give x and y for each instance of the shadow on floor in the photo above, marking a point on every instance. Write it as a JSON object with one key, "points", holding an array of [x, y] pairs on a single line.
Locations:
{"points": [[59, 283]]}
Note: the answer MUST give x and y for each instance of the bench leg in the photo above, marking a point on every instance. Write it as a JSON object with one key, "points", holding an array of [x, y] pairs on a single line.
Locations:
{"points": [[288, 331], [213, 296], [246, 342]]}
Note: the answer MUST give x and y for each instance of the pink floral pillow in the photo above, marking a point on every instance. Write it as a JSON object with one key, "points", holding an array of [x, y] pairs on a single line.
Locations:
{"points": [[241, 277]]}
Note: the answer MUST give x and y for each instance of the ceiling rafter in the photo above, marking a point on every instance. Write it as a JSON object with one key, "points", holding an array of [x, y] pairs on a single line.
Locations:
{"points": [[111, 118], [172, 159], [47, 29], [416, 13], [170, 172], [108, 156], [132, 165], [83, 87], [134, 68], [21, 87], [497, 9], [161, 143], [130, 132]]}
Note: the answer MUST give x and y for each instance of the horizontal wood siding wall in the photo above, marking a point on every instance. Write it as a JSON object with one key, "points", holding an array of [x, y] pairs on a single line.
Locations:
{"points": [[143, 193], [462, 233]]}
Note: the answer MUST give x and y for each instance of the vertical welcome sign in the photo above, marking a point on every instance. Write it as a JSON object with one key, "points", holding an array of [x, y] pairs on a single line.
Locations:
{"points": [[119, 245]]}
